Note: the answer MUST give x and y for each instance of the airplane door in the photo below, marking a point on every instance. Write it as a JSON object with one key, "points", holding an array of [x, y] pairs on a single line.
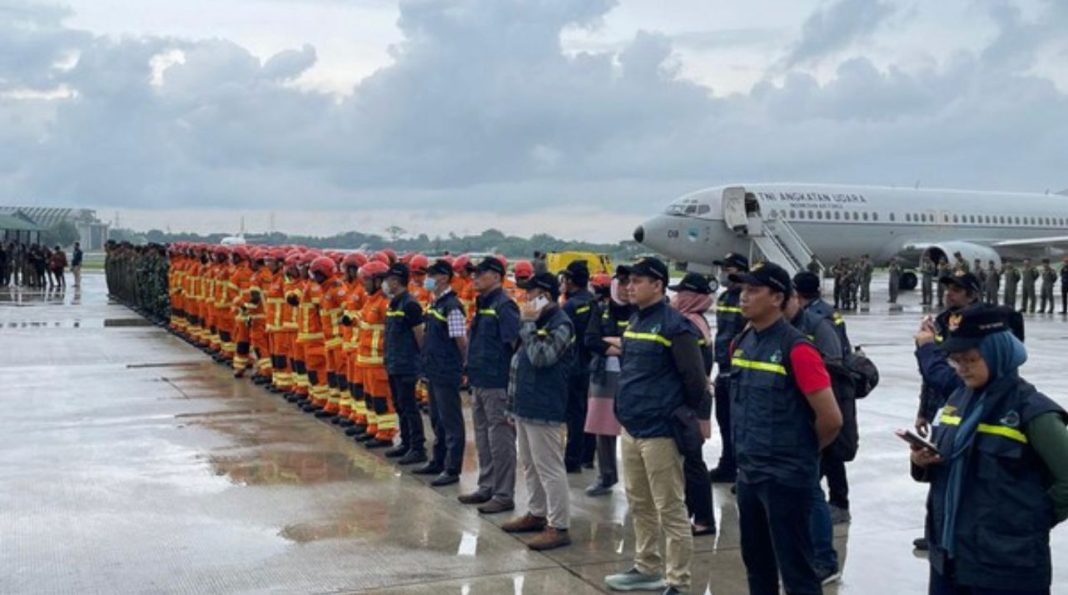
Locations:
{"points": [[734, 208]]}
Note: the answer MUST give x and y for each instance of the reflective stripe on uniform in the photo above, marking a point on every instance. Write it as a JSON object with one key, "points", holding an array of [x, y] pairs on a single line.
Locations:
{"points": [[730, 309], [996, 430], [761, 366], [647, 337]]}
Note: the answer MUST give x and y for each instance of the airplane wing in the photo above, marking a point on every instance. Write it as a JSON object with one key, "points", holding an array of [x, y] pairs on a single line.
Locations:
{"points": [[1046, 242]]}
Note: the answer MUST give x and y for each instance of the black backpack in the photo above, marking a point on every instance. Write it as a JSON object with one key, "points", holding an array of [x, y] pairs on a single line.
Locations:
{"points": [[862, 371]]}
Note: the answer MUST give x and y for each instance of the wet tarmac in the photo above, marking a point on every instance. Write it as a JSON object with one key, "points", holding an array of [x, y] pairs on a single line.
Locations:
{"points": [[129, 462]]}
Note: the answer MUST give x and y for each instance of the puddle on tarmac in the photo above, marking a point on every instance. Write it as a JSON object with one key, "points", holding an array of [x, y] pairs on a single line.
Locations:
{"points": [[81, 323]]}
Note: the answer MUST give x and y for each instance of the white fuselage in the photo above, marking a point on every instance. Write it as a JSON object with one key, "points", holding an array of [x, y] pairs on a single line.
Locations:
{"points": [[847, 221]]}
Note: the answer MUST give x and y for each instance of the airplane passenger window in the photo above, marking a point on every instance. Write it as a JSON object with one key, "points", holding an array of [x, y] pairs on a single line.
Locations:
{"points": [[955, 219], [837, 215], [865, 216], [908, 218], [875, 216], [703, 209], [891, 216], [856, 216], [793, 214], [819, 214]]}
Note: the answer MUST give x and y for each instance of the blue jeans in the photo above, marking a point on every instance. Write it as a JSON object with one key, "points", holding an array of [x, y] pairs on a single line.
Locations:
{"points": [[823, 552]]}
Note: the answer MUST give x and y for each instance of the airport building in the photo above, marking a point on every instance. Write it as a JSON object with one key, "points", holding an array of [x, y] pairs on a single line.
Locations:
{"points": [[93, 233]]}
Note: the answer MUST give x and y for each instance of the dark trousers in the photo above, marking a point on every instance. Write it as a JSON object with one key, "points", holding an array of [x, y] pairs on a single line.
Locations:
{"points": [[834, 469], [411, 423], [774, 521], [581, 446], [607, 469], [698, 490], [447, 419], [942, 585], [723, 420], [1064, 299]]}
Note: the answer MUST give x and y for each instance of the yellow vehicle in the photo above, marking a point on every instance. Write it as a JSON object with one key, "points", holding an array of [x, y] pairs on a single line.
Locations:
{"points": [[597, 263]]}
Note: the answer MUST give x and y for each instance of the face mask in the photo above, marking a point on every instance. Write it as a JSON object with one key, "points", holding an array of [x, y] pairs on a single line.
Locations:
{"points": [[540, 302], [387, 290], [430, 284]]}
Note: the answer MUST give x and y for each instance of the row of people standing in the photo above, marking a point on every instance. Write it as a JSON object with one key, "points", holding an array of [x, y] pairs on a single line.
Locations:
{"points": [[35, 265], [1033, 285]]}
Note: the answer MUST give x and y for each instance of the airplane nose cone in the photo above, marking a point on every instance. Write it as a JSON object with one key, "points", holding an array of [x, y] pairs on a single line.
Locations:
{"points": [[639, 234]]}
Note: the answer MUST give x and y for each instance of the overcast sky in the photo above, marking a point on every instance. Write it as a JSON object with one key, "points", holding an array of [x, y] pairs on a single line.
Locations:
{"points": [[573, 117]]}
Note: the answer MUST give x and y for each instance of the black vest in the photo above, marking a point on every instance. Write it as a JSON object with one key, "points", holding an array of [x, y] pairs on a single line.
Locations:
{"points": [[1004, 516], [489, 359], [650, 387], [402, 352], [771, 421], [580, 307], [729, 322], [824, 310], [541, 393], [442, 361]]}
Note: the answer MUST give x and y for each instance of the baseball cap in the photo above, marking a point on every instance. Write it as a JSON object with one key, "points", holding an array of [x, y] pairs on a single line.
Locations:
{"points": [[490, 264], [733, 260], [440, 267], [399, 270], [650, 267], [807, 284], [962, 279], [967, 328], [578, 271], [546, 281], [694, 282], [767, 274]]}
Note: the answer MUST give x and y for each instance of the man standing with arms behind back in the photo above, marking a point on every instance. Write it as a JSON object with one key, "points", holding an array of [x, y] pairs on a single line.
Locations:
{"points": [[76, 264], [494, 336], [784, 413]]}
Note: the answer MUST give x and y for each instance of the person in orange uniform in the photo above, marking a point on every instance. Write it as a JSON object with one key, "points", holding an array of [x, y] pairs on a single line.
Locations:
{"points": [[316, 269], [223, 302], [257, 294], [508, 284], [174, 286], [463, 285], [330, 310], [294, 291], [195, 329], [382, 421], [282, 325], [208, 272], [524, 271], [241, 308], [353, 409]]}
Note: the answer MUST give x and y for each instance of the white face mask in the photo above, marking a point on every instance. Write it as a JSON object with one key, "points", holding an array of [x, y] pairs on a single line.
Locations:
{"points": [[540, 302], [430, 284], [387, 289]]}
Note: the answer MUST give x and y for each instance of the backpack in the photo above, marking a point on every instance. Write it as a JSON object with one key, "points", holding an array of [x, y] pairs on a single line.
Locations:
{"points": [[862, 371]]}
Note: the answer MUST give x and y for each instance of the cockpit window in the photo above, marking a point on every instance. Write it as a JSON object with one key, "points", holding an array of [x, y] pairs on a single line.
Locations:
{"points": [[685, 206]]}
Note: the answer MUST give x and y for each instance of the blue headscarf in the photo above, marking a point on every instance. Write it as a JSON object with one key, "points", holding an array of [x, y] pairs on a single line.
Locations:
{"points": [[1003, 354]]}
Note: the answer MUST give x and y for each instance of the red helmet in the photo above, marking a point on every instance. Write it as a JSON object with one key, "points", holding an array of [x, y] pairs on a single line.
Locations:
{"points": [[523, 269], [601, 280], [221, 251], [308, 257], [381, 257], [277, 254], [374, 269], [504, 261], [461, 263], [293, 260], [259, 254], [324, 265], [391, 253], [337, 257], [406, 258], [418, 264], [354, 259], [240, 252]]}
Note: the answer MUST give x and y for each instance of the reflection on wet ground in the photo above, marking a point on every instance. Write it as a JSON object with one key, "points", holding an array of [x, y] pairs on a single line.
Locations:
{"points": [[133, 464]]}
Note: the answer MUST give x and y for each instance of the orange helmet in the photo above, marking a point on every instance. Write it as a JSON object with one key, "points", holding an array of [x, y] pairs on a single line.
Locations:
{"points": [[523, 269], [601, 280], [461, 263], [418, 264], [324, 265], [381, 257], [354, 259], [374, 269]]}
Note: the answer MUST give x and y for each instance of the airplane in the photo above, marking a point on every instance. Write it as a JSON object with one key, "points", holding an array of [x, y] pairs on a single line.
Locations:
{"points": [[788, 223]]}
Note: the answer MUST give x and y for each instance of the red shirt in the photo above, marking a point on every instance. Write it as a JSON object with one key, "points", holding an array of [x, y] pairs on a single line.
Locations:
{"points": [[810, 374]]}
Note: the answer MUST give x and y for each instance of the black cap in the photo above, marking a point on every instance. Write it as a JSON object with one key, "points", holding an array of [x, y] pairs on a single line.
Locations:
{"points": [[807, 284], [622, 271], [440, 267], [766, 274], [546, 281], [967, 328], [490, 264], [651, 267], [967, 281], [733, 260], [578, 271], [399, 270], [693, 282]]}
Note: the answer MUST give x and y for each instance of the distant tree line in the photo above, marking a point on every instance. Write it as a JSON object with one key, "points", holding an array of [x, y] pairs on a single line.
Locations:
{"points": [[491, 240]]}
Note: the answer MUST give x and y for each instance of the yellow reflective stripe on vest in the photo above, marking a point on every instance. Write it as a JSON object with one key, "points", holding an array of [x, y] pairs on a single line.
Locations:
{"points": [[488, 312], [761, 366], [582, 310], [995, 430], [729, 309], [437, 315], [394, 313], [647, 337]]}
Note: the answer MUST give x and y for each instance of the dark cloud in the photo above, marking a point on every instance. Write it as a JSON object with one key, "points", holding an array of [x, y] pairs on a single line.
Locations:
{"points": [[835, 27], [482, 111]]}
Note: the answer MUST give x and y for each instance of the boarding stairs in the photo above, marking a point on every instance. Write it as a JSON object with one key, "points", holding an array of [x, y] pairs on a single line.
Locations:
{"points": [[778, 242]]}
